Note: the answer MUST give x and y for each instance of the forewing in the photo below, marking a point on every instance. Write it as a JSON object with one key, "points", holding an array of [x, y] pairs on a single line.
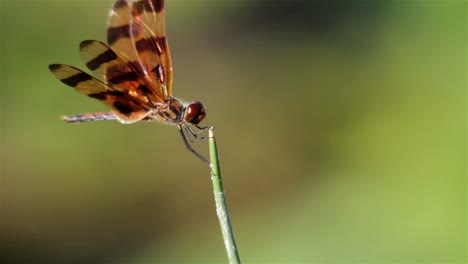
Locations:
{"points": [[127, 108], [98, 57], [150, 40], [113, 69], [137, 31], [118, 31]]}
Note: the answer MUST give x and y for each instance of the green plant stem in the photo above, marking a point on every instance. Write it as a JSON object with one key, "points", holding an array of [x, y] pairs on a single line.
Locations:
{"points": [[220, 200]]}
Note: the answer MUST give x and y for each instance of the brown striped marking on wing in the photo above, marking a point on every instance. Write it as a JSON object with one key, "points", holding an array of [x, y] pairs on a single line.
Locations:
{"points": [[152, 45], [137, 30], [105, 63], [127, 109], [118, 31]]}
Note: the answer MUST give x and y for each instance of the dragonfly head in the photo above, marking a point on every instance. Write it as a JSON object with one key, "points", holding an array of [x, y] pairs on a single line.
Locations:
{"points": [[194, 113]]}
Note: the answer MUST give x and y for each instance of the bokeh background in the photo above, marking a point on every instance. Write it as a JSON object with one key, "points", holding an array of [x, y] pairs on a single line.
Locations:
{"points": [[341, 129]]}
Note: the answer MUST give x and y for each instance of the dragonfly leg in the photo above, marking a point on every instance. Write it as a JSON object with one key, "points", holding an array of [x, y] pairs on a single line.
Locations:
{"points": [[187, 144], [196, 133], [193, 137], [202, 129]]}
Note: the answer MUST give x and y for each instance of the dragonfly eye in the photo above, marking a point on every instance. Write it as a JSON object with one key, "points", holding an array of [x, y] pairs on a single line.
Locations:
{"points": [[194, 113]]}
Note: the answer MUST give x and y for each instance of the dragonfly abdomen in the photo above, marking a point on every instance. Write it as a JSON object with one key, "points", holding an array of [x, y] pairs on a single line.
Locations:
{"points": [[89, 117]]}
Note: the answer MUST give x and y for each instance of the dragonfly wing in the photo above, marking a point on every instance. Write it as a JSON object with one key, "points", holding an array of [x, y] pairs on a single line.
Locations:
{"points": [[126, 108]]}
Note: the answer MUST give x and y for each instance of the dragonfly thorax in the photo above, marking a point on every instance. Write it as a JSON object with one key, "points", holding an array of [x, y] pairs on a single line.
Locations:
{"points": [[173, 111]]}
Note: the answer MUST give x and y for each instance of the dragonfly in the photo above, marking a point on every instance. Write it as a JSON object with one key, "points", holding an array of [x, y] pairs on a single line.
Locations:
{"points": [[133, 73]]}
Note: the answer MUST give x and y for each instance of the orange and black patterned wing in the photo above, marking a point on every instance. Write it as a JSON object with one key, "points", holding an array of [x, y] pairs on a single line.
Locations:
{"points": [[118, 32], [152, 43], [117, 71], [136, 32], [125, 107]]}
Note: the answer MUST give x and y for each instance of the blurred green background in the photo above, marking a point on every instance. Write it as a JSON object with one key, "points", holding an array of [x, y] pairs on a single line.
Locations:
{"points": [[341, 129]]}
